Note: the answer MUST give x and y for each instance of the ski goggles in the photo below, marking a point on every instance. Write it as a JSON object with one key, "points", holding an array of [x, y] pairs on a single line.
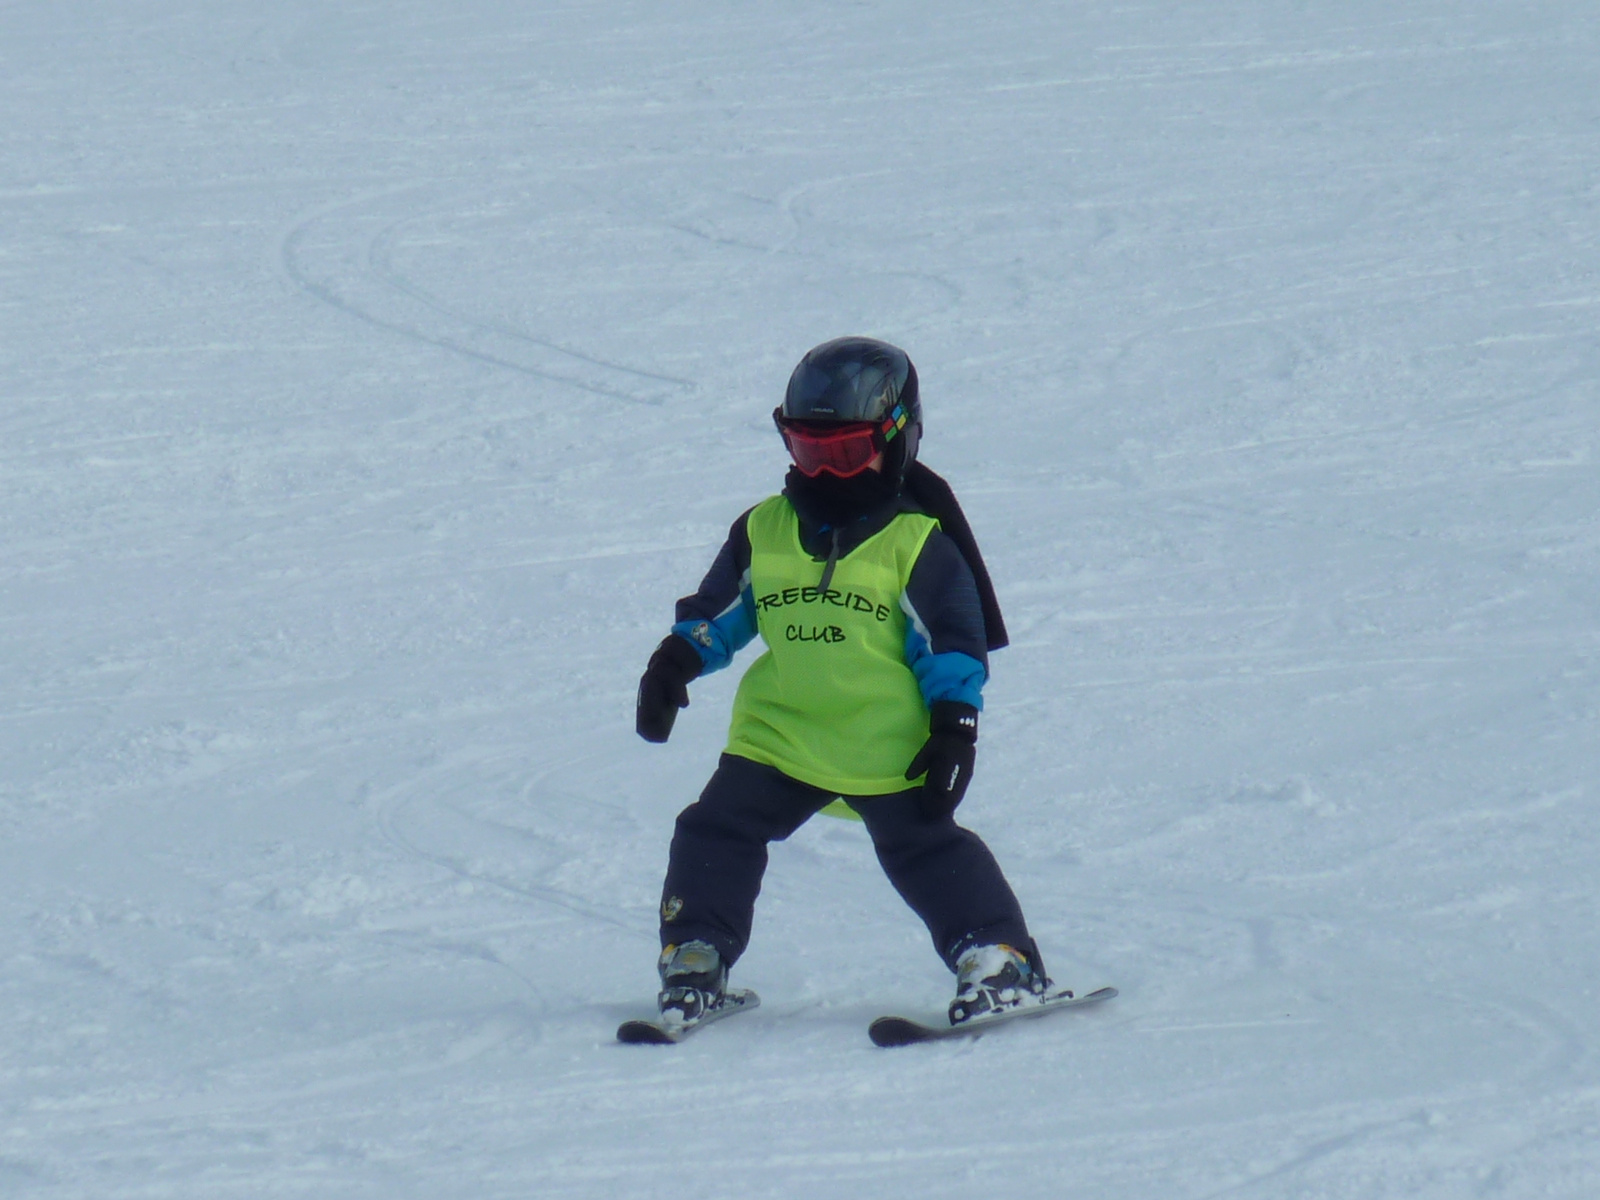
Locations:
{"points": [[842, 448]]}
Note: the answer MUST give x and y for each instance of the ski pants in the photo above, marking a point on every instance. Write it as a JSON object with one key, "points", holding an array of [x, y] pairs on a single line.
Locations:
{"points": [[719, 854]]}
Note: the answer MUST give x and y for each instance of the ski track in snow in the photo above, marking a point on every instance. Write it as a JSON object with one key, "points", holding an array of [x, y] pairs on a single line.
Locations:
{"points": [[374, 380], [439, 325]]}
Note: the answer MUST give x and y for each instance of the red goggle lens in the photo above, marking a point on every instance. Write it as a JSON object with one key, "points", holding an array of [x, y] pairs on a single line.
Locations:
{"points": [[843, 450]]}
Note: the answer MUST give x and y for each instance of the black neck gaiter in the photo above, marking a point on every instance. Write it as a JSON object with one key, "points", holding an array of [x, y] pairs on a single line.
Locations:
{"points": [[827, 500]]}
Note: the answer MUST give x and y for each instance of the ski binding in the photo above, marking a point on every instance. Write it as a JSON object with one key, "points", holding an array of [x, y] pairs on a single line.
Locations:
{"points": [[669, 1033], [903, 1031]]}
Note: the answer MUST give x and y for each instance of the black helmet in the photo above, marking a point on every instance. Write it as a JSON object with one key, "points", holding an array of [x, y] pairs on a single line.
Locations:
{"points": [[860, 379]]}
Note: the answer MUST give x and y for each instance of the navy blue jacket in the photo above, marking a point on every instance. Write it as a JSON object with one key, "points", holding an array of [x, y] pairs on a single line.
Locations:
{"points": [[946, 643]]}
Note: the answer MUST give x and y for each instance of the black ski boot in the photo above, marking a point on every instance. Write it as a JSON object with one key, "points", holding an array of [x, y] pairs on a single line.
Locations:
{"points": [[693, 981], [992, 979]]}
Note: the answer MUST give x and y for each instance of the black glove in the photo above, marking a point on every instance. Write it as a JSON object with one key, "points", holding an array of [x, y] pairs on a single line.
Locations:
{"points": [[947, 756], [665, 687]]}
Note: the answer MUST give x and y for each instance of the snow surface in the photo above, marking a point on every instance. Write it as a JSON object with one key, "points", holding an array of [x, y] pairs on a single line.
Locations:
{"points": [[373, 377]]}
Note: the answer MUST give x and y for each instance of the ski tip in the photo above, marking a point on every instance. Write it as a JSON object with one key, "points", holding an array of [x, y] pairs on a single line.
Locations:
{"points": [[644, 1033], [897, 1031]]}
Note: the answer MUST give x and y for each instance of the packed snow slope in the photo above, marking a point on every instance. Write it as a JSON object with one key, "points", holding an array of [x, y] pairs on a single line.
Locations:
{"points": [[373, 377]]}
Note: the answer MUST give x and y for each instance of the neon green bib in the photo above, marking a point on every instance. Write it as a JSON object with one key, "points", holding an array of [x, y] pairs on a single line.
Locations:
{"points": [[831, 702]]}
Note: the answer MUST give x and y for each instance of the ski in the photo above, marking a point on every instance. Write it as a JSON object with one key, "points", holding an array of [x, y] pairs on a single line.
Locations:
{"points": [[903, 1031], [659, 1033]]}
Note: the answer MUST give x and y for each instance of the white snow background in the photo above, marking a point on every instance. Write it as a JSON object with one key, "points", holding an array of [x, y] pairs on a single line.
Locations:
{"points": [[373, 377]]}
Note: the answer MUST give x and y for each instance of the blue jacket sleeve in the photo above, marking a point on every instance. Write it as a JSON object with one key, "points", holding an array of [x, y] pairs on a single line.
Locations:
{"points": [[946, 646], [719, 620]]}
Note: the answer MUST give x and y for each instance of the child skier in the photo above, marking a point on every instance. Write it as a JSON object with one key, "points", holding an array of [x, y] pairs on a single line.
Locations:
{"points": [[864, 581]]}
